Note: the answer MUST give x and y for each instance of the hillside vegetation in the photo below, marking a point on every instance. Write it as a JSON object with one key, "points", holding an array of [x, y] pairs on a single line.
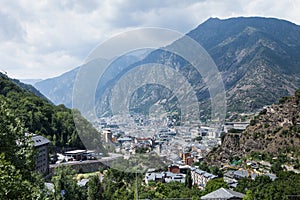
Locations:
{"points": [[40, 116], [273, 132]]}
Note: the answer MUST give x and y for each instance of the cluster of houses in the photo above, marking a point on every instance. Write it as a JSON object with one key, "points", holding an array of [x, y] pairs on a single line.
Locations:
{"points": [[178, 173]]}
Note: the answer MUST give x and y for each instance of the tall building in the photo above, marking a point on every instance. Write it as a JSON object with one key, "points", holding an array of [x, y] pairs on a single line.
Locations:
{"points": [[42, 155], [107, 136]]}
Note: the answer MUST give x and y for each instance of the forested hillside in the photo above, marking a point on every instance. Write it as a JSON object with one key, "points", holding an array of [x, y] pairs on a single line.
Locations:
{"points": [[42, 117]]}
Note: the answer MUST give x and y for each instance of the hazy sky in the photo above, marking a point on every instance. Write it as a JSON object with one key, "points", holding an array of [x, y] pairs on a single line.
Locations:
{"points": [[42, 39]]}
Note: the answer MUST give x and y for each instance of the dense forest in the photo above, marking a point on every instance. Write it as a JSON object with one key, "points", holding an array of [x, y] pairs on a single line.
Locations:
{"points": [[40, 116]]}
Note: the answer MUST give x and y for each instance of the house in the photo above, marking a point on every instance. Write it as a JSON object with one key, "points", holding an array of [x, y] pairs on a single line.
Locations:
{"points": [[187, 158], [169, 176], [200, 177], [174, 168], [239, 174], [152, 176], [223, 194], [42, 157], [164, 177]]}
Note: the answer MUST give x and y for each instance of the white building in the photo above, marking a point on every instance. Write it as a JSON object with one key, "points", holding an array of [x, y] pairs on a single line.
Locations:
{"points": [[200, 177]]}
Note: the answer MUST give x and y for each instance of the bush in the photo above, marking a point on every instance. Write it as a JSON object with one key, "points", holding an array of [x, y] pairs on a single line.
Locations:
{"points": [[282, 100], [252, 122], [263, 112]]}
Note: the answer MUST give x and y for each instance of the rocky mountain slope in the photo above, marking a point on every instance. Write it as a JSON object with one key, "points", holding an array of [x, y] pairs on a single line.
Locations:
{"points": [[256, 56], [258, 59], [60, 89], [275, 130]]}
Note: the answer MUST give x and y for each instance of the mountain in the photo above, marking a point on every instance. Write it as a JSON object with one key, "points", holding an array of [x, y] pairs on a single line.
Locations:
{"points": [[60, 89], [30, 81], [258, 59], [274, 131]]}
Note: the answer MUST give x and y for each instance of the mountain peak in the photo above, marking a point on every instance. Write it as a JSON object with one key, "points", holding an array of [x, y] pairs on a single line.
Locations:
{"points": [[257, 57]]}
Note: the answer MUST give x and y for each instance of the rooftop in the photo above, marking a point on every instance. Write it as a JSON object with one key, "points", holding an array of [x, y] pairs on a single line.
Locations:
{"points": [[223, 193], [39, 140], [75, 151]]}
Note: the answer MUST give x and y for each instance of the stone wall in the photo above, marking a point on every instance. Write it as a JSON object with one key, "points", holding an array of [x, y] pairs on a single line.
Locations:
{"points": [[81, 167]]}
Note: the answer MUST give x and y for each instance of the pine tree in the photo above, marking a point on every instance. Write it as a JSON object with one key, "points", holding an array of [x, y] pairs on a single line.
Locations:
{"points": [[188, 179]]}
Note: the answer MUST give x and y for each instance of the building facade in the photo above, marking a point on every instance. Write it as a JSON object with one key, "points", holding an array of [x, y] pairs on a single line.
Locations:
{"points": [[42, 154]]}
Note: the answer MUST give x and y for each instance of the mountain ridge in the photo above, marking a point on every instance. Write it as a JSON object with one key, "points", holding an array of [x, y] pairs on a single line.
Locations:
{"points": [[255, 56]]}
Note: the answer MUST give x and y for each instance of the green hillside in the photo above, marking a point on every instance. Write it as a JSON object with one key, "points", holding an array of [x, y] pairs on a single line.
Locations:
{"points": [[42, 117]]}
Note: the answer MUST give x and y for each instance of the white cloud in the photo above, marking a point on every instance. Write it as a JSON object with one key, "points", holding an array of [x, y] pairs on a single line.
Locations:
{"points": [[40, 39]]}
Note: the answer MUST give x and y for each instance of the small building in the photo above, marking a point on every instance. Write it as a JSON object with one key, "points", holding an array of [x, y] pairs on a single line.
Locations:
{"points": [[107, 134], [41, 143], [223, 194], [75, 154], [238, 126], [154, 177]]}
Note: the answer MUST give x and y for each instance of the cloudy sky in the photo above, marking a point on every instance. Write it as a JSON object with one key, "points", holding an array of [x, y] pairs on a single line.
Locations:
{"points": [[42, 39]]}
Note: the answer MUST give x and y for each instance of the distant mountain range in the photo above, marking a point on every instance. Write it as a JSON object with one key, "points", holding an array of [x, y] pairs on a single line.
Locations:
{"points": [[59, 89], [30, 81], [257, 57]]}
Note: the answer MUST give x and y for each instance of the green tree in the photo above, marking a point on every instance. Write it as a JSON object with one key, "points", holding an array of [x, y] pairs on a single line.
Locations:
{"points": [[65, 185], [215, 184], [12, 185], [188, 179], [248, 196], [95, 190], [276, 167], [198, 138], [216, 171], [17, 177]]}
